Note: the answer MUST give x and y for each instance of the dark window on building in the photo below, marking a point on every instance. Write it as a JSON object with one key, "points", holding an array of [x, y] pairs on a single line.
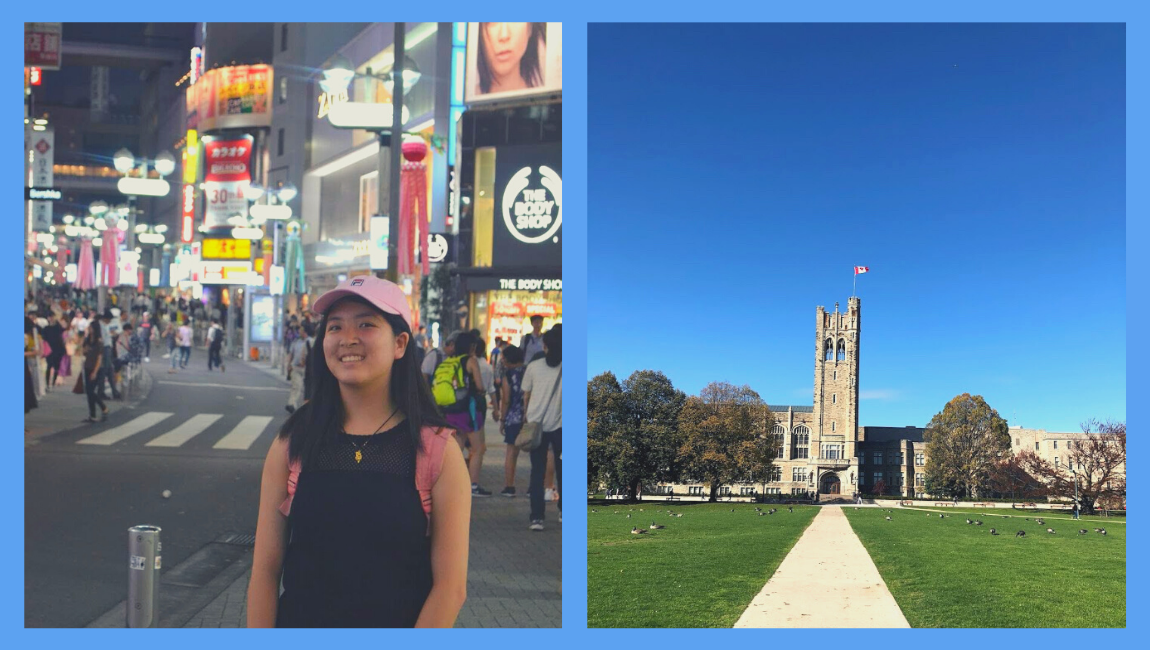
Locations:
{"points": [[280, 142], [283, 37]]}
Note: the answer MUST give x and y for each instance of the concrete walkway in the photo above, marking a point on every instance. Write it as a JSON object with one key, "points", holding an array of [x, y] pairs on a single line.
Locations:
{"points": [[827, 580]]}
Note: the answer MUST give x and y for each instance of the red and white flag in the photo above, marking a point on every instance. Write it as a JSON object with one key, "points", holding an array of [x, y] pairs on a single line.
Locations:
{"points": [[861, 269]]}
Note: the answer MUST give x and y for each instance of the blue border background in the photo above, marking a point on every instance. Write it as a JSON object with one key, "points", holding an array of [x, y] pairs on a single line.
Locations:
{"points": [[575, 16]]}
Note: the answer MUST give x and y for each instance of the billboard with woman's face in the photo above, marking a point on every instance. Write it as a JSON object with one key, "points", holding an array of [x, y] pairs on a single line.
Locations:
{"points": [[510, 60]]}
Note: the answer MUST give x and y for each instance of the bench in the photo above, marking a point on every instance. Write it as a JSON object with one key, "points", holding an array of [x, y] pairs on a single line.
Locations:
{"points": [[983, 505], [906, 503], [1024, 505], [949, 504], [673, 498]]}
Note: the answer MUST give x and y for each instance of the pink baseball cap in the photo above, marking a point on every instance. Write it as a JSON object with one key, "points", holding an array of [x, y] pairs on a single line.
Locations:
{"points": [[387, 296]]}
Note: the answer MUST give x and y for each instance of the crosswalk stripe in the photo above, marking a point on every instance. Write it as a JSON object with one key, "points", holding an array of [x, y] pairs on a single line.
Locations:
{"points": [[186, 431], [245, 433], [228, 386], [130, 428]]}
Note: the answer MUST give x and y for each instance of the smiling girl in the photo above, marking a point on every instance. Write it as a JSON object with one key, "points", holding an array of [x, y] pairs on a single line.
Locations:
{"points": [[364, 508]]}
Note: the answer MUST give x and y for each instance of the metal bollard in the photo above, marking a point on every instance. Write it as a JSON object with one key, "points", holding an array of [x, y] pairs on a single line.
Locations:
{"points": [[144, 576]]}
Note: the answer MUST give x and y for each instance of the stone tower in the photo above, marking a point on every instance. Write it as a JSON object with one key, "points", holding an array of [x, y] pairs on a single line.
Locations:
{"points": [[836, 397]]}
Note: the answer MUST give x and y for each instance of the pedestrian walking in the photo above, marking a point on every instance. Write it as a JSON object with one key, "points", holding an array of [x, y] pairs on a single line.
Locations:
{"points": [[93, 360], [184, 338], [146, 336], [532, 343], [173, 350], [454, 385], [53, 336], [300, 354], [215, 344], [377, 496], [108, 330], [510, 413], [543, 404]]}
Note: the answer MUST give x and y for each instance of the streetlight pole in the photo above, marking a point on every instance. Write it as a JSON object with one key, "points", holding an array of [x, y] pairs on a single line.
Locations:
{"points": [[395, 153]]}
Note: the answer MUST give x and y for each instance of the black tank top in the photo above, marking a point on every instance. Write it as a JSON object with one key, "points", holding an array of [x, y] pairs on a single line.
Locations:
{"points": [[359, 554]]}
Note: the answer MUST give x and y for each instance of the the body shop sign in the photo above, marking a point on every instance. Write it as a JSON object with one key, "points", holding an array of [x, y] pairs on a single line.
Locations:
{"points": [[529, 209], [227, 173]]}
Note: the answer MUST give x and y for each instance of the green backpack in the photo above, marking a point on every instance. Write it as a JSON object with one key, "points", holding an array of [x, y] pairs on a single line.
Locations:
{"points": [[449, 385]]}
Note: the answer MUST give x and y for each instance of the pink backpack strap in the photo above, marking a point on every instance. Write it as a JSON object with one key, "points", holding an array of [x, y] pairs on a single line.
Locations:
{"points": [[293, 476], [428, 463]]}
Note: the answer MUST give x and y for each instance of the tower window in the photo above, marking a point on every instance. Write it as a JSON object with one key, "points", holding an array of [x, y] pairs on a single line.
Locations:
{"points": [[779, 434], [836, 375], [842, 356], [832, 427], [800, 442], [828, 350], [835, 398]]}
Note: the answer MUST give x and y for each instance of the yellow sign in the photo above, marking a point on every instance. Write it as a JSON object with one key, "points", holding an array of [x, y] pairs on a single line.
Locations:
{"points": [[227, 249], [191, 157]]}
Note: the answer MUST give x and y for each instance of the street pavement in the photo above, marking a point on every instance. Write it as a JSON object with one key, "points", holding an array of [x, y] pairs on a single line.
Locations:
{"points": [[203, 436]]}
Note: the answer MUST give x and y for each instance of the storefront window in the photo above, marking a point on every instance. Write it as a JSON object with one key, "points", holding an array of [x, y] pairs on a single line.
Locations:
{"points": [[507, 314]]}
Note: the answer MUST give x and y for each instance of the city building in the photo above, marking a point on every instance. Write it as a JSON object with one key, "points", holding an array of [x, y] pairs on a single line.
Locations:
{"points": [[510, 162]]}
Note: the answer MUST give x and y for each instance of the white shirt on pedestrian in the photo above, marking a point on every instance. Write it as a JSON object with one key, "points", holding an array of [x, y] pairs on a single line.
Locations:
{"points": [[539, 380], [487, 374]]}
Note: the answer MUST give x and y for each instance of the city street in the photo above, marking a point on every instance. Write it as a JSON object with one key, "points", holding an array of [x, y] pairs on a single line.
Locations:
{"points": [[203, 436]]}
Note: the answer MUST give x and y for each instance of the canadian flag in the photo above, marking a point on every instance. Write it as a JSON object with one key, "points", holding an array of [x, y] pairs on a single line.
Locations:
{"points": [[861, 269]]}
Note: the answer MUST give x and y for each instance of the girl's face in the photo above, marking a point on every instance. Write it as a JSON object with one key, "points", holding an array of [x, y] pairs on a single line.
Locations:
{"points": [[504, 46], [359, 344]]}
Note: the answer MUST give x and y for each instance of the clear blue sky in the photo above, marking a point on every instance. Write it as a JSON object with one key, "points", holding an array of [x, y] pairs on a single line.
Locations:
{"points": [[738, 173]]}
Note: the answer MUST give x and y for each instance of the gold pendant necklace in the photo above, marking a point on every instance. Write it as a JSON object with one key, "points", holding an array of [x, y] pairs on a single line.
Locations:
{"points": [[360, 448]]}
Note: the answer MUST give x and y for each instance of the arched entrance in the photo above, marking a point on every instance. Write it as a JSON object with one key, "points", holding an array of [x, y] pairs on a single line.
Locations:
{"points": [[829, 484]]}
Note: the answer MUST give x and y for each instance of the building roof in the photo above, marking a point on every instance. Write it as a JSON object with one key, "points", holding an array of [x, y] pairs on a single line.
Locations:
{"points": [[890, 434], [797, 409]]}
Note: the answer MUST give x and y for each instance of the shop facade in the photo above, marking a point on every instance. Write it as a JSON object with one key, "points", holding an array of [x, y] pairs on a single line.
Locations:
{"points": [[510, 226], [344, 194]]}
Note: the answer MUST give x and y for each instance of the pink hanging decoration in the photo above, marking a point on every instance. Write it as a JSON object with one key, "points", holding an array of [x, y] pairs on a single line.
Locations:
{"points": [[61, 262], [110, 258], [86, 267], [413, 208]]}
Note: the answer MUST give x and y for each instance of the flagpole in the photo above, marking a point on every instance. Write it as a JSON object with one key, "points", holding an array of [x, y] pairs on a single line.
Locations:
{"points": [[854, 283]]}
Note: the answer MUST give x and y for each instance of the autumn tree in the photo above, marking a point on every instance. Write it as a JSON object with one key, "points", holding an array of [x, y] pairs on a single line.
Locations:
{"points": [[632, 430], [723, 436], [1096, 462], [1008, 477], [963, 443]]}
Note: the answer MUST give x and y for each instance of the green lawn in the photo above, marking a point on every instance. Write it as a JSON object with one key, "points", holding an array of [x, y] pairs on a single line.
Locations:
{"points": [[702, 570], [945, 573], [998, 513]]}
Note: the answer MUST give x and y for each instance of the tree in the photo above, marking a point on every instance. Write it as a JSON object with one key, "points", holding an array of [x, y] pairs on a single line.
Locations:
{"points": [[1096, 462], [1008, 477], [880, 487], [723, 436], [632, 430], [963, 443], [606, 415]]}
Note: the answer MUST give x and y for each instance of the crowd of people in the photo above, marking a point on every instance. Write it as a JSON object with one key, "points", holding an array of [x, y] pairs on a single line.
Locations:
{"points": [[499, 381], [66, 339]]}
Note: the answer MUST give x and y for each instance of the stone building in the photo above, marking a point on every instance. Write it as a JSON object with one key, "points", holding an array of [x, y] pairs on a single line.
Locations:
{"points": [[822, 448]]}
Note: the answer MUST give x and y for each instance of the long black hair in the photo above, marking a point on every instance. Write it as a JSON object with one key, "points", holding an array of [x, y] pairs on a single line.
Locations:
{"points": [[323, 415], [529, 66]]}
